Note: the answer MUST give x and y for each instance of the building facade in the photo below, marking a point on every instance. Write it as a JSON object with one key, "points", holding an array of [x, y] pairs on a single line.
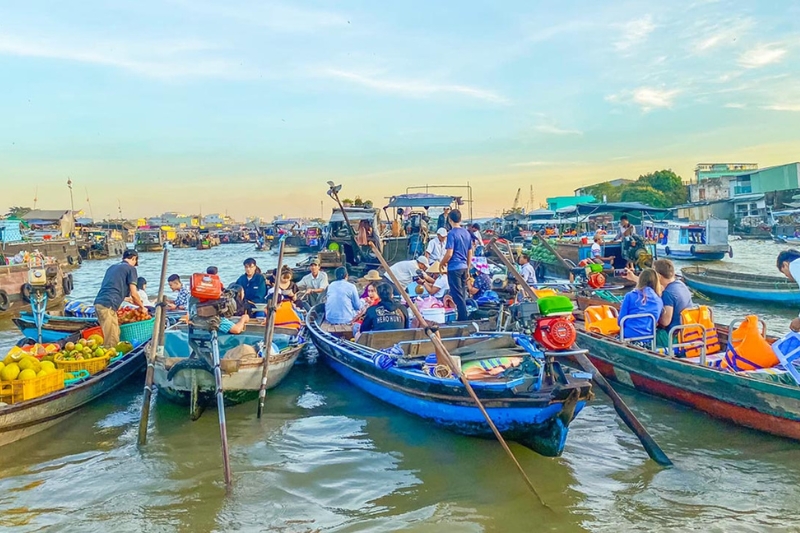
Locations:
{"points": [[557, 202], [704, 171]]}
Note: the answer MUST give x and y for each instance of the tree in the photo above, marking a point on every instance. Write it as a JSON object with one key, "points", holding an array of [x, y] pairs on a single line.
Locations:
{"points": [[611, 193], [636, 192], [668, 183], [18, 212]]}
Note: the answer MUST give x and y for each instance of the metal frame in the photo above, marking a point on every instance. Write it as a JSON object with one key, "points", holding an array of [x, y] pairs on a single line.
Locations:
{"points": [[693, 344], [650, 338], [468, 201], [738, 321]]}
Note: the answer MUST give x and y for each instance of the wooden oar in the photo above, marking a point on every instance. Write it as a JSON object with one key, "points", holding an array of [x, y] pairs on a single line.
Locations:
{"points": [[223, 426], [156, 349], [443, 354], [269, 330], [651, 447], [557, 255]]}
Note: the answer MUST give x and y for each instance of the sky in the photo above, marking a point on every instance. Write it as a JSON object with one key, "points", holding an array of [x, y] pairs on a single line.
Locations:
{"points": [[250, 107]]}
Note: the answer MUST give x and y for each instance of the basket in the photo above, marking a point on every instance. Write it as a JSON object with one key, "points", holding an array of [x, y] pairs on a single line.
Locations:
{"points": [[80, 375], [88, 332], [92, 365], [20, 391], [137, 333]]}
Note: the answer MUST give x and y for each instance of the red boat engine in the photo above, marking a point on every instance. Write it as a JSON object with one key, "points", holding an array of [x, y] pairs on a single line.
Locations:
{"points": [[596, 280], [555, 332]]}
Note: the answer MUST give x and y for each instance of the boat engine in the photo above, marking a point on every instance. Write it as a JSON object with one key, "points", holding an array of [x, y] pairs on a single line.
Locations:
{"points": [[634, 250], [555, 333], [551, 326]]}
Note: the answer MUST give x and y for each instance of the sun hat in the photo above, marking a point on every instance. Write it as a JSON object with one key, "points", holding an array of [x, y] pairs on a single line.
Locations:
{"points": [[372, 275], [436, 268]]}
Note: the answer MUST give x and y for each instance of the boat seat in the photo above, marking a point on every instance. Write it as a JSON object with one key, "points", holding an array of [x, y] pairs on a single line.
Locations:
{"points": [[601, 319], [704, 317]]}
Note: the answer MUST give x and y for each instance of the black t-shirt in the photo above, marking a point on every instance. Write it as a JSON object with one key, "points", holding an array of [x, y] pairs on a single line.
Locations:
{"points": [[384, 316], [116, 285]]}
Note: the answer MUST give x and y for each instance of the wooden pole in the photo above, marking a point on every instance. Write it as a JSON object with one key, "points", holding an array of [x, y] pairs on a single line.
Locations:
{"points": [[156, 348], [223, 427], [269, 330], [650, 445], [443, 354]]}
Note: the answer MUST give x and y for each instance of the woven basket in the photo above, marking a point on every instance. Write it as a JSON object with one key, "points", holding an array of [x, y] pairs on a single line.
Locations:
{"points": [[137, 332]]}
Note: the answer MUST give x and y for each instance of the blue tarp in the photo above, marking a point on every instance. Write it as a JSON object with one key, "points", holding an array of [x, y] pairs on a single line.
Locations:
{"points": [[422, 199]]}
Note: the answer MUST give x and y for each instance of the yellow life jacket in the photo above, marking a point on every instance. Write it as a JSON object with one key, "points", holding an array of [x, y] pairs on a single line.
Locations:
{"points": [[701, 316], [601, 319], [747, 349]]}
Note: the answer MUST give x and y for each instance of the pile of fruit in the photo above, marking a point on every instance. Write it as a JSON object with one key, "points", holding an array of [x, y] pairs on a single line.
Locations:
{"points": [[128, 315], [24, 367], [91, 348], [540, 254]]}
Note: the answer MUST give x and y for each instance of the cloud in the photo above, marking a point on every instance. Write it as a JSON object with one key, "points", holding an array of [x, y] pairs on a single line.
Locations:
{"points": [[634, 32], [552, 129], [762, 55], [278, 17], [169, 59], [783, 107], [735, 106], [722, 34], [412, 88], [534, 164], [647, 98]]}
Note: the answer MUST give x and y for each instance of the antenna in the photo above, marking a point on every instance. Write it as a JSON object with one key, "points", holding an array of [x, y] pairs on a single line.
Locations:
{"points": [[91, 212], [36, 197], [530, 201], [119, 208]]}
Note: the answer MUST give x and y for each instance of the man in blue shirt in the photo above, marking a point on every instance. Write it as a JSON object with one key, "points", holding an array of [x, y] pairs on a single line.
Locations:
{"points": [[118, 284], [457, 259], [342, 303]]}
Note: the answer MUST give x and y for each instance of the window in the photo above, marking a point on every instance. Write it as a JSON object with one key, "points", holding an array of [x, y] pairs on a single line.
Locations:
{"points": [[702, 194]]}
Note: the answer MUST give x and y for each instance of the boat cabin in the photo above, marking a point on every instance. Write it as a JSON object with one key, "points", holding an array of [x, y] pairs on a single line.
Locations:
{"points": [[703, 241]]}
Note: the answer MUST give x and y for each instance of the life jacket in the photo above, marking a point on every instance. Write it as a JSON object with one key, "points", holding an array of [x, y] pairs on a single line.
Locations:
{"points": [[287, 317], [747, 349], [699, 315], [601, 319]]}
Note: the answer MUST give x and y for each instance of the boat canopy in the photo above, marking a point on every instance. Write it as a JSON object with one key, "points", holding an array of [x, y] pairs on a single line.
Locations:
{"points": [[541, 213], [616, 207], [422, 199], [354, 214]]}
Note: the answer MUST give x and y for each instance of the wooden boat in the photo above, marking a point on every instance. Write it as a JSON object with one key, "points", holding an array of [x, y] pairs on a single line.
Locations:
{"points": [[101, 244], [55, 327], [740, 285], [536, 416], [14, 296], [23, 419], [241, 379], [765, 401], [690, 241], [149, 240]]}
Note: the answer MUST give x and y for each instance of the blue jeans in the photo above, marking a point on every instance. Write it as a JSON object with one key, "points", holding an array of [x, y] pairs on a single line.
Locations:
{"points": [[457, 279]]}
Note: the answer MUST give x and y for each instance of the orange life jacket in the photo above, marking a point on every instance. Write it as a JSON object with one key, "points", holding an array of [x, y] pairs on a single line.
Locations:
{"points": [[747, 349], [601, 319], [287, 317], [702, 316]]}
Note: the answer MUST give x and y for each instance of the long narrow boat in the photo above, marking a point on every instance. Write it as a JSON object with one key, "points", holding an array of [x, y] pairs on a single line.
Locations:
{"points": [[241, 378], [767, 401], [23, 419], [532, 406], [740, 285]]}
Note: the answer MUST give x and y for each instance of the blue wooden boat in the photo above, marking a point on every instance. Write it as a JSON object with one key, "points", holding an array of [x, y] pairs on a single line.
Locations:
{"points": [[743, 286], [533, 404], [55, 326]]}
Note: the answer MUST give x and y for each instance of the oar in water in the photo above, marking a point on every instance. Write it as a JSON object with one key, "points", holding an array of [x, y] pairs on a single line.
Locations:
{"points": [[650, 445], [269, 330], [442, 355], [156, 348]]}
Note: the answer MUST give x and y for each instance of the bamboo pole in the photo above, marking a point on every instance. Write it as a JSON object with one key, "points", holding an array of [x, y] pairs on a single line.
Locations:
{"points": [[443, 354], [156, 348], [269, 330]]}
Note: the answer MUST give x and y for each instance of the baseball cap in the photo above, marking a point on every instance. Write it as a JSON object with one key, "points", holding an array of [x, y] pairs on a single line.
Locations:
{"points": [[442, 232], [424, 260]]}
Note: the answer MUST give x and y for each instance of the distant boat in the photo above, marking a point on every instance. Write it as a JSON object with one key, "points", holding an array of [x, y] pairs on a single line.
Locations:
{"points": [[754, 287], [690, 241]]}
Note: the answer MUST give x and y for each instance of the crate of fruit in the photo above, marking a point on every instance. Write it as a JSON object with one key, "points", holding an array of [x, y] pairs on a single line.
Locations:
{"points": [[137, 332], [85, 354], [20, 390], [93, 365]]}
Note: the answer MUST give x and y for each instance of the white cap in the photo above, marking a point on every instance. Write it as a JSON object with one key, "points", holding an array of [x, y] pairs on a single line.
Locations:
{"points": [[442, 232], [424, 260]]}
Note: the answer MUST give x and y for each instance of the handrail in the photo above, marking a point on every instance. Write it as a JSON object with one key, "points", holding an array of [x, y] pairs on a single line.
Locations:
{"points": [[651, 338], [692, 344]]}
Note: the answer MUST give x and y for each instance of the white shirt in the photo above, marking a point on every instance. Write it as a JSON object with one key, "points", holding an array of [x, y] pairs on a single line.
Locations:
{"points": [[794, 269], [477, 235], [443, 284], [404, 271], [528, 274], [435, 249], [310, 282], [596, 251]]}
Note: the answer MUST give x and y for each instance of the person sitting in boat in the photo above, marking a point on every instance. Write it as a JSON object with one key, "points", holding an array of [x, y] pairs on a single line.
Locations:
{"points": [[313, 285], [342, 303], [406, 271], [527, 270], [597, 251], [675, 296], [643, 300], [387, 315], [181, 300], [369, 296], [287, 287], [789, 266], [253, 282], [439, 287]]}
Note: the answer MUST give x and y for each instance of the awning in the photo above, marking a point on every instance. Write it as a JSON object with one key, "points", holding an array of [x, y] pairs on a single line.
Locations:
{"points": [[422, 199], [749, 198], [617, 207]]}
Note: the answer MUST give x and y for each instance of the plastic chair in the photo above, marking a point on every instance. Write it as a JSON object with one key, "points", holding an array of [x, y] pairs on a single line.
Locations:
{"points": [[788, 351], [704, 318], [601, 319], [650, 337]]}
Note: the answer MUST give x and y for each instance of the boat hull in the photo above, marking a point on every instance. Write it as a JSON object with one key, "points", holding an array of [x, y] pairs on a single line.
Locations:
{"points": [[21, 420], [742, 286], [540, 423], [760, 405], [708, 253]]}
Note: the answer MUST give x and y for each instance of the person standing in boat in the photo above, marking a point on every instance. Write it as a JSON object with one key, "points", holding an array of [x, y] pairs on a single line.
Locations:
{"points": [[624, 233], [457, 260], [435, 250], [118, 283], [789, 266], [527, 270]]}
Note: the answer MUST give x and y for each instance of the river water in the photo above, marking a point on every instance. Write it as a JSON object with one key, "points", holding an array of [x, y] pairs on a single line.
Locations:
{"points": [[326, 457]]}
